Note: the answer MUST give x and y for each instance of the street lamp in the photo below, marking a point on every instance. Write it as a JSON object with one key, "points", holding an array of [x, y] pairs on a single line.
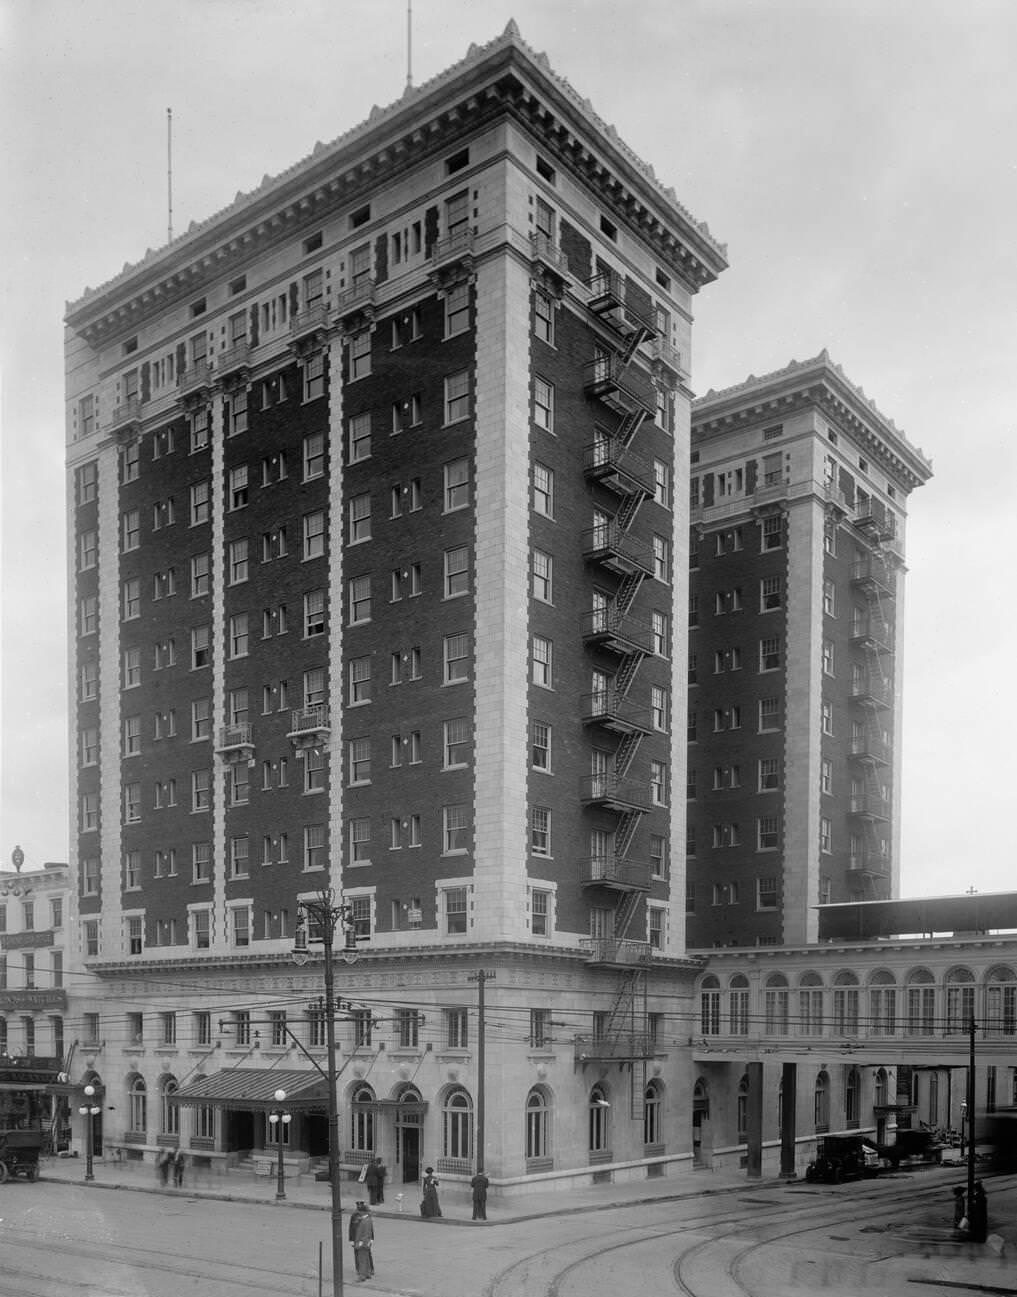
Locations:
{"points": [[90, 1110], [327, 916], [279, 1121]]}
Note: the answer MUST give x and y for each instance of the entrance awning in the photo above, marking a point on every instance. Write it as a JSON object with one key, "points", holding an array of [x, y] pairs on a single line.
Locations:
{"points": [[254, 1088], [394, 1106]]}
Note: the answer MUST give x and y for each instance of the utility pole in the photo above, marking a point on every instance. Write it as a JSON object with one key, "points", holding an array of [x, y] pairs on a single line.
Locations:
{"points": [[481, 978], [971, 1113]]}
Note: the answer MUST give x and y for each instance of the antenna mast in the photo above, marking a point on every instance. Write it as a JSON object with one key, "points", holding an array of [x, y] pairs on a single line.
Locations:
{"points": [[409, 44], [169, 173]]}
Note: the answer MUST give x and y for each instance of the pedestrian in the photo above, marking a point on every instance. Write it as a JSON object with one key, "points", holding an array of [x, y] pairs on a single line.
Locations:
{"points": [[361, 1233], [429, 1207], [375, 1180], [162, 1162], [958, 1207], [479, 1185], [179, 1162]]}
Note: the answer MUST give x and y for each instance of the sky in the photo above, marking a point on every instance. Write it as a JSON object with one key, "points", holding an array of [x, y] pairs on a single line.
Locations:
{"points": [[858, 158]]}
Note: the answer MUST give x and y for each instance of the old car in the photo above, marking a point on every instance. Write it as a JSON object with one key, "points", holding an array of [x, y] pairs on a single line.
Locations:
{"points": [[843, 1157]]}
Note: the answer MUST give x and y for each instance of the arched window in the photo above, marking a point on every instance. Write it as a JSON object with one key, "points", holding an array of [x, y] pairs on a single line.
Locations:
{"points": [[810, 1005], [852, 1083], [742, 1111], [882, 1004], [457, 1114], [845, 1004], [921, 1003], [881, 1089], [821, 1104], [599, 1109], [653, 1114], [775, 1005], [709, 1007], [538, 1127], [960, 999], [1001, 1001], [738, 1005], [362, 1119], [137, 1106], [169, 1114]]}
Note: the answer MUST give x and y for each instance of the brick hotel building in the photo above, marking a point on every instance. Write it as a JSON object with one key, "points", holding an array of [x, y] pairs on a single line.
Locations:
{"points": [[377, 482]]}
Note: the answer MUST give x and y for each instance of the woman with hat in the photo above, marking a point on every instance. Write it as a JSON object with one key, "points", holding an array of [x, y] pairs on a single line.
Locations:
{"points": [[362, 1237]]}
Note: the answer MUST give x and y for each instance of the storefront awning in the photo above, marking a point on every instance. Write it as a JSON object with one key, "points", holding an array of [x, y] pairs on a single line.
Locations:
{"points": [[393, 1106], [255, 1087]]}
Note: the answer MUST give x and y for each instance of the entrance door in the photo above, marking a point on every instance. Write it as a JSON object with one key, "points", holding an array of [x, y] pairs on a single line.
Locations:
{"points": [[409, 1153], [239, 1132]]}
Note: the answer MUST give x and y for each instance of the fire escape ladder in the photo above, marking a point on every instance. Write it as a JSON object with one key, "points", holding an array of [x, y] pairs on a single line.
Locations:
{"points": [[627, 590], [627, 669], [625, 912], [625, 831], [625, 751], [627, 512], [633, 342], [629, 426], [622, 1012]]}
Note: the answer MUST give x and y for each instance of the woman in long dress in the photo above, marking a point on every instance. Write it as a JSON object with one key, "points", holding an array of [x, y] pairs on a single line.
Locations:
{"points": [[429, 1207]]}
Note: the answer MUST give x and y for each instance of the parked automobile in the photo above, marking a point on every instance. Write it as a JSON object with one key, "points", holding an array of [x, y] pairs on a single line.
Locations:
{"points": [[910, 1145], [843, 1157]]}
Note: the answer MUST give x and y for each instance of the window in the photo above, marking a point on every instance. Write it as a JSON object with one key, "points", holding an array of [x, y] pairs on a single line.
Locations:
{"points": [[543, 317], [662, 483], [132, 736], [239, 635], [457, 485], [826, 717], [88, 615], [359, 839], [359, 674], [456, 658], [201, 790], [457, 571], [359, 761], [200, 502], [455, 905], [658, 856], [828, 660], [658, 783], [314, 530], [659, 707], [456, 742], [829, 598], [542, 661], [660, 627], [770, 594], [132, 599], [457, 396], [543, 490], [543, 565], [132, 803], [769, 654], [540, 831], [662, 558], [360, 354], [314, 455], [768, 833], [130, 530], [540, 745], [599, 1107], [359, 600], [87, 476], [769, 774], [359, 438], [825, 835], [457, 309], [455, 830], [238, 491], [315, 846], [656, 919]]}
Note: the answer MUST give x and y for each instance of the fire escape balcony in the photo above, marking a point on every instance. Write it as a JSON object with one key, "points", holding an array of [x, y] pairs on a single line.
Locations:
{"points": [[548, 256], [611, 301], [871, 747], [617, 550], [236, 743], [619, 1047], [873, 578], [869, 863], [614, 712], [196, 382], [868, 806], [614, 793], [457, 246], [616, 951], [615, 872], [235, 361], [617, 467], [873, 633], [125, 420], [624, 388], [617, 632], [875, 520], [872, 692], [310, 727], [310, 324]]}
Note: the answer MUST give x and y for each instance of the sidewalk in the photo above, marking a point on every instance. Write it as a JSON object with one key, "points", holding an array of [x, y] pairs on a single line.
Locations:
{"points": [[304, 1192]]}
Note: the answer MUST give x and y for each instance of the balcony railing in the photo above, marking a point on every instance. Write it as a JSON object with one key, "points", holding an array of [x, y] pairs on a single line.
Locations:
{"points": [[313, 320], [873, 632], [233, 359], [618, 632], [868, 805], [310, 725], [616, 549], [670, 357], [195, 379], [125, 415], [236, 740], [615, 872], [615, 712], [548, 253], [622, 387], [610, 298], [871, 747], [869, 863], [607, 460], [614, 792], [454, 247], [873, 576], [623, 1045], [877, 693], [355, 298], [616, 950]]}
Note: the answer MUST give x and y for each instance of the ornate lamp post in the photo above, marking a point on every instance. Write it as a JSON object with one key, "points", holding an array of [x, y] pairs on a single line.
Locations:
{"points": [[319, 921], [279, 1121], [90, 1110]]}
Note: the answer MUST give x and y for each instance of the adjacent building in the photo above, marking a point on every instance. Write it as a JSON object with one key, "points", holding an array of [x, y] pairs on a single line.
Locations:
{"points": [[378, 485], [799, 490], [33, 959]]}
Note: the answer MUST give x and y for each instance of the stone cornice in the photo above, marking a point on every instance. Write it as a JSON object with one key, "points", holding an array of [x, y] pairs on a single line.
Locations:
{"points": [[816, 382], [502, 78]]}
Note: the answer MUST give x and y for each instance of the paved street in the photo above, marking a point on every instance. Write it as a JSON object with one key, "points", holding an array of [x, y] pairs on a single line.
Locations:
{"points": [[716, 1236]]}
